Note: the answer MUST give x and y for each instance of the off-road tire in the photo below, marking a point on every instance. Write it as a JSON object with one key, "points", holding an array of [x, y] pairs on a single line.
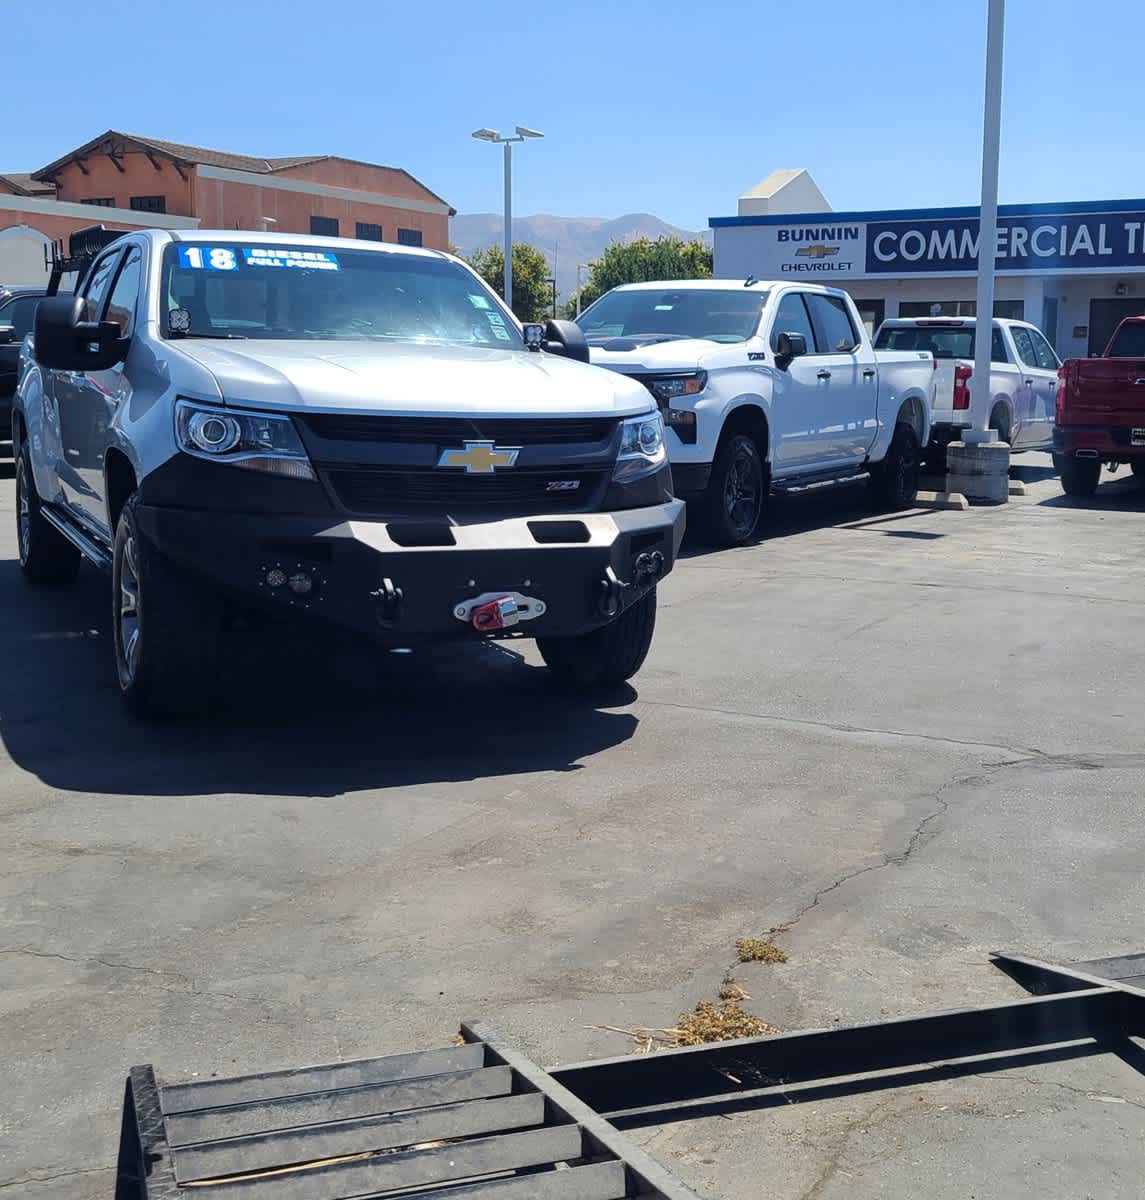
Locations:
{"points": [[894, 481], [171, 671], [46, 556], [1080, 476], [731, 507], [607, 656]]}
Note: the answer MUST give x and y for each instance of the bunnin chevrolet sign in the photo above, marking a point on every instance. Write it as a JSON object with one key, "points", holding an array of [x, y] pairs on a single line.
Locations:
{"points": [[1073, 238]]}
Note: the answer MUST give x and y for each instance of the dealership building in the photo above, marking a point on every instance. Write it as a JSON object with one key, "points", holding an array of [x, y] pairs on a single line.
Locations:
{"points": [[1073, 269]]}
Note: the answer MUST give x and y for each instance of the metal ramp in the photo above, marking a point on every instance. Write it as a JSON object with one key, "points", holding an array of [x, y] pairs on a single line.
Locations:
{"points": [[478, 1121]]}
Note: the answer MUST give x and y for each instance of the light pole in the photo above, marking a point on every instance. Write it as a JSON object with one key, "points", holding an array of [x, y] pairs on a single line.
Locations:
{"points": [[580, 267], [491, 135]]}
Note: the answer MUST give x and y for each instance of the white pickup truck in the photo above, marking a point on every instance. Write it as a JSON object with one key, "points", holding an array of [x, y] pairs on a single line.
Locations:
{"points": [[765, 386], [1023, 376]]}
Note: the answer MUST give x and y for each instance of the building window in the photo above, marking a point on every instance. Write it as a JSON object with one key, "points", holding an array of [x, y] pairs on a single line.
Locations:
{"points": [[324, 226], [368, 232], [156, 204], [409, 237], [1012, 310], [101, 201], [871, 313]]}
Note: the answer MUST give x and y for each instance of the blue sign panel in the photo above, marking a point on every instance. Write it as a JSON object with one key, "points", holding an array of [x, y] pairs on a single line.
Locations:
{"points": [[1085, 242]]}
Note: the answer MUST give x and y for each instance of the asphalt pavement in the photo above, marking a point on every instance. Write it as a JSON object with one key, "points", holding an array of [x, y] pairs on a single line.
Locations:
{"points": [[908, 739]]}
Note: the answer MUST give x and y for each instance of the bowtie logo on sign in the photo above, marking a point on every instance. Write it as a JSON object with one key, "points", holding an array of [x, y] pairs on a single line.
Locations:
{"points": [[816, 251]]}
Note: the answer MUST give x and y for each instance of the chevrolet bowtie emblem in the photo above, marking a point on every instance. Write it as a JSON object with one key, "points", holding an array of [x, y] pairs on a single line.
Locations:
{"points": [[480, 458], [816, 251]]}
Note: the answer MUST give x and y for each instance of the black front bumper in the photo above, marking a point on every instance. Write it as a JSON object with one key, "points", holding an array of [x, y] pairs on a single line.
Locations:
{"points": [[566, 563]]}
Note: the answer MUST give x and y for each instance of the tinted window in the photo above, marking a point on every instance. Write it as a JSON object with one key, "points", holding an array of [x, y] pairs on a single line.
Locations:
{"points": [[121, 304], [791, 317], [19, 313], [409, 237], [367, 232], [324, 226], [95, 286], [1129, 341], [1024, 346], [156, 204], [1044, 352], [834, 333], [942, 343]]}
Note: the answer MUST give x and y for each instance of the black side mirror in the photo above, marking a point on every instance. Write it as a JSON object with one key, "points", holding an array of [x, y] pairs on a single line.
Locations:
{"points": [[565, 337], [789, 346], [7, 335], [64, 341]]}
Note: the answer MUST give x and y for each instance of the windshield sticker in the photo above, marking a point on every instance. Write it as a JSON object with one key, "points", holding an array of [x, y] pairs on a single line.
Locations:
{"points": [[478, 301], [207, 258], [495, 318], [312, 260], [499, 331]]}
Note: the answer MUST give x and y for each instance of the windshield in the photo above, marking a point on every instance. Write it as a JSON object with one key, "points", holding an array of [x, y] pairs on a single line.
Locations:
{"points": [[707, 313], [325, 292]]}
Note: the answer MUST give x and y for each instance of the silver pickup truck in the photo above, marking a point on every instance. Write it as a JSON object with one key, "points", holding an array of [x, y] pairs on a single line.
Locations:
{"points": [[239, 423]]}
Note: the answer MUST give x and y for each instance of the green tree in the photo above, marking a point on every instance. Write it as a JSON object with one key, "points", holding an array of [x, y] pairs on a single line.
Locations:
{"points": [[640, 260], [532, 293]]}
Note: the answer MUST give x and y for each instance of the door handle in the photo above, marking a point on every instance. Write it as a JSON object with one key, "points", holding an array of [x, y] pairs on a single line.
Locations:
{"points": [[869, 373], [1029, 382], [823, 375]]}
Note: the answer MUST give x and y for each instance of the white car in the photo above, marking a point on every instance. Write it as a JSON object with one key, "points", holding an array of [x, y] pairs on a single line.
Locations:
{"points": [[1023, 376], [765, 386]]}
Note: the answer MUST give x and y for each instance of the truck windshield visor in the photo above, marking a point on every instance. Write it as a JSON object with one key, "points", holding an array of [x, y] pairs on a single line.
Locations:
{"points": [[306, 291]]}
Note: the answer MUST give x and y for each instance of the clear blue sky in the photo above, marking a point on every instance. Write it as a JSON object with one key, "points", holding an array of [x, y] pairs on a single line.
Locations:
{"points": [[662, 106]]}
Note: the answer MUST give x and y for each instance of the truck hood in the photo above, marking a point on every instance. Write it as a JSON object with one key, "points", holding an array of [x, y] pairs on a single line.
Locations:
{"points": [[407, 378], [636, 354]]}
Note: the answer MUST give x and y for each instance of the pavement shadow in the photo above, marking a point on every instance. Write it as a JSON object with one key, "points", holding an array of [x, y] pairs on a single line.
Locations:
{"points": [[303, 715], [791, 515], [1032, 474], [1126, 494]]}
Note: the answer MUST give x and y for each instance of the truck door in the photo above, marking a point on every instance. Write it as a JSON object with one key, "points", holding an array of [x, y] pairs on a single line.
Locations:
{"points": [[851, 392], [1034, 422], [87, 401], [798, 407]]}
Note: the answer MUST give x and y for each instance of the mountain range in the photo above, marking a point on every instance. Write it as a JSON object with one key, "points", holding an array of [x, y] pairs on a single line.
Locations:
{"points": [[564, 241]]}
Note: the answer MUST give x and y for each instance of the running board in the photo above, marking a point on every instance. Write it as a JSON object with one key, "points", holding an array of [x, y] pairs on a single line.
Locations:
{"points": [[820, 479], [91, 550]]}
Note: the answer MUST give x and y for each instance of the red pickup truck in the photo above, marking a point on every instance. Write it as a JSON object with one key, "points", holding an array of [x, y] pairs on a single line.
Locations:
{"points": [[1100, 411]]}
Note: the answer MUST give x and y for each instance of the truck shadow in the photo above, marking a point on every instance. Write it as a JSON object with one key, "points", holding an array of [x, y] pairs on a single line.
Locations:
{"points": [[788, 516], [305, 716], [1125, 494]]}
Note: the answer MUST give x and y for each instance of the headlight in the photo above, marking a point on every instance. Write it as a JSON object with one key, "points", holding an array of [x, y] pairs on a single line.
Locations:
{"points": [[672, 386], [257, 441], [641, 448]]}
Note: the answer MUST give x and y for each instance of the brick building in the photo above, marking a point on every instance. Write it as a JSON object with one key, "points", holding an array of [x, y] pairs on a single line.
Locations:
{"points": [[139, 182]]}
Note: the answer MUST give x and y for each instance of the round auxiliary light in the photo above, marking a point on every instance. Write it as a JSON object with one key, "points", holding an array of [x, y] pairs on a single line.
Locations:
{"points": [[275, 577], [214, 434], [301, 584]]}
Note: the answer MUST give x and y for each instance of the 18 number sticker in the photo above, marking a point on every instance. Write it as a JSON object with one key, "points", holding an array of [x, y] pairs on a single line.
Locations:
{"points": [[210, 258]]}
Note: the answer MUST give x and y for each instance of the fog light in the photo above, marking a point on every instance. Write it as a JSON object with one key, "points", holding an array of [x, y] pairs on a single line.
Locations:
{"points": [[300, 583], [275, 577]]}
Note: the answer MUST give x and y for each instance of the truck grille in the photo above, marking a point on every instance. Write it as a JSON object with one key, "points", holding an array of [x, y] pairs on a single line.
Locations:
{"points": [[530, 431], [384, 492]]}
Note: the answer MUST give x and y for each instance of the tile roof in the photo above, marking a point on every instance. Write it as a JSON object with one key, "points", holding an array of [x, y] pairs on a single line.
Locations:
{"points": [[23, 184]]}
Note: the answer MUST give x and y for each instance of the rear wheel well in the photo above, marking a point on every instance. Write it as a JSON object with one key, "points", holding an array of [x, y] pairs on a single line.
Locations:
{"points": [[119, 475], [748, 419], [913, 414]]}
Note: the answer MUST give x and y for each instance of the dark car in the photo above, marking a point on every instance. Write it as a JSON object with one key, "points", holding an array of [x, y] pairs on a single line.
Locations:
{"points": [[17, 311]]}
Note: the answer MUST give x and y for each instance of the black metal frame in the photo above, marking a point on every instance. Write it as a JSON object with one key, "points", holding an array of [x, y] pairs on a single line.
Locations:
{"points": [[83, 247], [499, 1127]]}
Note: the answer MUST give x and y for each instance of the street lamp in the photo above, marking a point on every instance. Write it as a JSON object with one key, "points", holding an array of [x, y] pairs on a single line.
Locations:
{"points": [[491, 135], [580, 267]]}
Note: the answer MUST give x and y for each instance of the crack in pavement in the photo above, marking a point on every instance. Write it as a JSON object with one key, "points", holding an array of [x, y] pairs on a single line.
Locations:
{"points": [[48, 1178], [1086, 1093], [192, 986]]}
